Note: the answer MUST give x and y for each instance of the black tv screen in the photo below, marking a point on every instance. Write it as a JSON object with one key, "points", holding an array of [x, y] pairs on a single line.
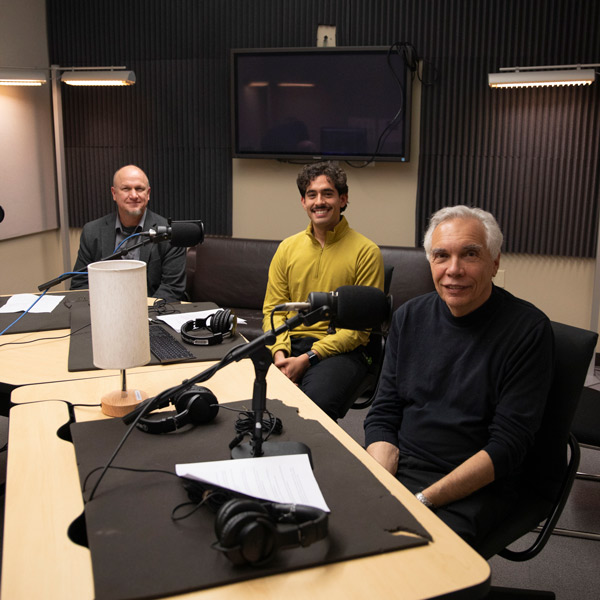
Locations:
{"points": [[345, 103]]}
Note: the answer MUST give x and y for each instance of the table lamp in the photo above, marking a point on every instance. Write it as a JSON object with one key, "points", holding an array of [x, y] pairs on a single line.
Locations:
{"points": [[119, 319]]}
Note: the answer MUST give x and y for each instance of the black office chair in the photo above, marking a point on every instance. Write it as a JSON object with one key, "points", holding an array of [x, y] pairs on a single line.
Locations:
{"points": [[412, 279], [550, 466], [586, 425], [364, 393], [586, 428]]}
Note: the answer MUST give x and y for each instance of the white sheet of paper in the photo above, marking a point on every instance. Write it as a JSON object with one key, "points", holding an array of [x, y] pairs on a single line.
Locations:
{"points": [[176, 321], [286, 479], [21, 302]]}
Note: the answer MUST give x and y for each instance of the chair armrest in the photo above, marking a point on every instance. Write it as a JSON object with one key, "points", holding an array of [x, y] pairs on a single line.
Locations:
{"points": [[546, 529]]}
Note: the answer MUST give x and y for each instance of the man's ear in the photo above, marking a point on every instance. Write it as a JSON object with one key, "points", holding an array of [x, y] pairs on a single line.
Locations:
{"points": [[496, 265]]}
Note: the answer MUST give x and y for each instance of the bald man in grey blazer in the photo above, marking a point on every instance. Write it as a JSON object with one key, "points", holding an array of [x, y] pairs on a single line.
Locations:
{"points": [[165, 264]]}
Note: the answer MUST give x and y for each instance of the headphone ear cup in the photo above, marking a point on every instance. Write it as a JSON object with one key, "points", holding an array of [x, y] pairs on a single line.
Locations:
{"points": [[234, 507], [220, 321], [202, 405], [245, 531]]}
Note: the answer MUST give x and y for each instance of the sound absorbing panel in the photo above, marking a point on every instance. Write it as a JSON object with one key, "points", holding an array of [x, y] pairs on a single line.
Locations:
{"points": [[529, 156]]}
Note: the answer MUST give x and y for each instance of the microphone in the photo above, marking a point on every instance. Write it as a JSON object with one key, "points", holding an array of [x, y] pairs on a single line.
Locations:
{"points": [[355, 307], [182, 234]]}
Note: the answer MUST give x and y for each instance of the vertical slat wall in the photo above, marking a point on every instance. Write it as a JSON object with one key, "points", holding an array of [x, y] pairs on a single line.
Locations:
{"points": [[530, 156]]}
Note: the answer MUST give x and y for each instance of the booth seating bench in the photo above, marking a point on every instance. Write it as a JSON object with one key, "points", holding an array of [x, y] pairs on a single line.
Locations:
{"points": [[233, 272]]}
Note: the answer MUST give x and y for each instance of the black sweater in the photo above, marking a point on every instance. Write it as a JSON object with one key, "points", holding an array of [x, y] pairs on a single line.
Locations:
{"points": [[453, 386]]}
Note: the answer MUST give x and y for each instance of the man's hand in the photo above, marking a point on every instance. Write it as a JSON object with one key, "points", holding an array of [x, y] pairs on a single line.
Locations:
{"points": [[293, 367], [385, 454]]}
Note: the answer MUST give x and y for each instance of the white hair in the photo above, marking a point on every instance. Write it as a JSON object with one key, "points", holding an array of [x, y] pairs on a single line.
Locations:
{"points": [[493, 234]]}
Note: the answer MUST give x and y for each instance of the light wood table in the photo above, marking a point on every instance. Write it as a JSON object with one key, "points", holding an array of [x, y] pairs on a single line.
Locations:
{"points": [[46, 360], [43, 497], [43, 357]]}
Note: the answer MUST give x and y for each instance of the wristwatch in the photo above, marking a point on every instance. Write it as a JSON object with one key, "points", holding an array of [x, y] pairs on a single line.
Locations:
{"points": [[425, 500], [313, 358]]}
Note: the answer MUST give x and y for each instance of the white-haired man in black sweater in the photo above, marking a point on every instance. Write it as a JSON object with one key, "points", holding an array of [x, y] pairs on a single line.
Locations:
{"points": [[465, 379]]}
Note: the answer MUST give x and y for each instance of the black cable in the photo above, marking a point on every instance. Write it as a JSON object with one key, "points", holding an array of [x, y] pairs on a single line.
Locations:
{"points": [[133, 469], [69, 404], [201, 494], [245, 423], [155, 402], [406, 51], [162, 307], [149, 407], [42, 339]]}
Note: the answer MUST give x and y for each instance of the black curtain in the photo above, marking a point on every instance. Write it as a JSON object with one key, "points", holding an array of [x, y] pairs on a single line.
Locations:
{"points": [[529, 156]]}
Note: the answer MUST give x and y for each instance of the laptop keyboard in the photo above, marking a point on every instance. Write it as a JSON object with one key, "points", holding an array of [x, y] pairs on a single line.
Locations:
{"points": [[166, 348]]}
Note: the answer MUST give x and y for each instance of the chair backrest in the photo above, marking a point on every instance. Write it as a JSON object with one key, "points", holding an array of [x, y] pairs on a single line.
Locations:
{"points": [[231, 272], [574, 349], [412, 273], [586, 423], [548, 475]]}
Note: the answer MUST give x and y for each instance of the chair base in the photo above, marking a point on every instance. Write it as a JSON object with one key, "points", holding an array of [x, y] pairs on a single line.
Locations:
{"points": [[584, 535]]}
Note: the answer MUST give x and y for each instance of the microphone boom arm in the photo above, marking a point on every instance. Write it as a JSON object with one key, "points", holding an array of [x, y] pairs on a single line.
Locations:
{"points": [[255, 350], [117, 254]]}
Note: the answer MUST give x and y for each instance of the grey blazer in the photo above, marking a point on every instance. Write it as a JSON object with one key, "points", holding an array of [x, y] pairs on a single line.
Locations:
{"points": [[166, 264]]}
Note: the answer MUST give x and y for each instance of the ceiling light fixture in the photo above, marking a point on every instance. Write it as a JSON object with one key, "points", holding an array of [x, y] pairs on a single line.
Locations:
{"points": [[551, 75], [93, 77], [26, 77]]}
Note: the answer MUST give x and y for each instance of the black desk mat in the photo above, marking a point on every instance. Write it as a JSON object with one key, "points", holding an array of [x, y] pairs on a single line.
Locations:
{"points": [[80, 348], [59, 318], [138, 551]]}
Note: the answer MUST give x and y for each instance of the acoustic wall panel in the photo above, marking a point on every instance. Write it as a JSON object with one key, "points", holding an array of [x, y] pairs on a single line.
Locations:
{"points": [[530, 156]]}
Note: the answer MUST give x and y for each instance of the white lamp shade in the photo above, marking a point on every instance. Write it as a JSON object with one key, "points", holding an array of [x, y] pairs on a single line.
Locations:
{"points": [[119, 314]]}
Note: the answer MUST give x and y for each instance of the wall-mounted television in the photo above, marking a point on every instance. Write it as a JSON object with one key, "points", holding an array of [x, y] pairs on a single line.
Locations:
{"points": [[344, 103]]}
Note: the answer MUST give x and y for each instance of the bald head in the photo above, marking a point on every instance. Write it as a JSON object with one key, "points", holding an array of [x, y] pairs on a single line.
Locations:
{"points": [[131, 192], [129, 171]]}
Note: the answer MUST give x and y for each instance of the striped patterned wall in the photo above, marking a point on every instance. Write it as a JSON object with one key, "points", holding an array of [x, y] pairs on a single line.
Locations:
{"points": [[530, 156]]}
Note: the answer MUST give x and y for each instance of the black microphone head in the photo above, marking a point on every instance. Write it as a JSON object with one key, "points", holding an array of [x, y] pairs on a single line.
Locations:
{"points": [[185, 234], [361, 307]]}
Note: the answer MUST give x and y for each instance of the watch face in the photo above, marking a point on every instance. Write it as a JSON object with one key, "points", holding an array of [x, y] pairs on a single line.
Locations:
{"points": [[313, 357]]}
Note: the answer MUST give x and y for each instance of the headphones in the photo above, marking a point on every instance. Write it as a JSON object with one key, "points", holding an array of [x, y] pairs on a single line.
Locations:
{"points": [[221, 324], [249, 532], [197, 405]]}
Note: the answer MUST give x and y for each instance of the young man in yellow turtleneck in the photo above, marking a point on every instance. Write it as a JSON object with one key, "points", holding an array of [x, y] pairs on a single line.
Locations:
{"points": [[326, 255]]}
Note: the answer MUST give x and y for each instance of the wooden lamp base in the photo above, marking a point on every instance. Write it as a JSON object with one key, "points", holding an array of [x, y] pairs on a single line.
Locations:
{"points": [[122, 402]]}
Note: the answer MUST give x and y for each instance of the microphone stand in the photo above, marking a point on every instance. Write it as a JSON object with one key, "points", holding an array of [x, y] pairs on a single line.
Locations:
{"points": [[257, 351], [117, 254], [262, 359]]}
